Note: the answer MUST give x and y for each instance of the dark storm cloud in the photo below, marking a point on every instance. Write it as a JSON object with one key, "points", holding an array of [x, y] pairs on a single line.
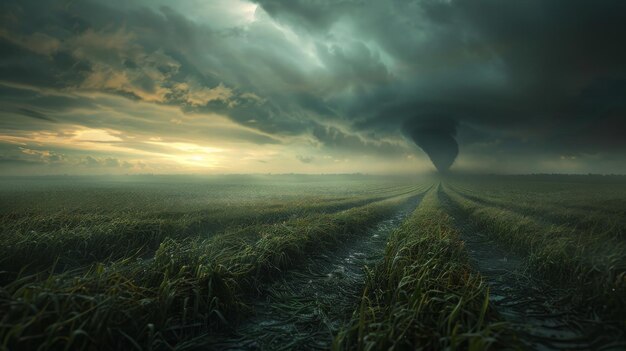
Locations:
{"points": [[550, 71], [154, 55], [334, 138], [525, 77]]}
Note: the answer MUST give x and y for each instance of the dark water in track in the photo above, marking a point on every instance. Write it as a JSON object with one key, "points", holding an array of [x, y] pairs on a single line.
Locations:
{"points": [[540, 314], [304, 309]]}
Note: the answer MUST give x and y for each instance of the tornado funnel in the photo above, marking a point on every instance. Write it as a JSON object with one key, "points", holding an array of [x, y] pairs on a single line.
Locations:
{"points": [[436, 136]]}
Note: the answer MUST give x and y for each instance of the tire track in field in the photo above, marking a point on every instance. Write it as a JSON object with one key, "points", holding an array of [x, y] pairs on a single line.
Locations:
{"points": [[304, 309], [540, 314]]}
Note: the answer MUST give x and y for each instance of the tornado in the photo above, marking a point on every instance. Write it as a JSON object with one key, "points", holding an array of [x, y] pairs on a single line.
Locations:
{"points": [[436, 136]]}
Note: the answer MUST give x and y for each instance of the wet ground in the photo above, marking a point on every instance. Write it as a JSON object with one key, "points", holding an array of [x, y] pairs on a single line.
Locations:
{"points": [[541, 315], [306, 308]]}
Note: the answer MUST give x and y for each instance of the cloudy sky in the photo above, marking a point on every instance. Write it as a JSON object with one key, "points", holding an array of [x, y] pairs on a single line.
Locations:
{"points": [[312, 86]]}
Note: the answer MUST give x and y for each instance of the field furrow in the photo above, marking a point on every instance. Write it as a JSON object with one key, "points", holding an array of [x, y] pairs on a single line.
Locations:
{"points": [[192, 285], [71, 240], [313, 263], [424, 293], [306, 307], [594, 265], [538, 311], [592, 222]]}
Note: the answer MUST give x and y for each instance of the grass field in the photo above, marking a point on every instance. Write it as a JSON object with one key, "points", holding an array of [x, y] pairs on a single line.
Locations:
{"points": [[348, 262]]}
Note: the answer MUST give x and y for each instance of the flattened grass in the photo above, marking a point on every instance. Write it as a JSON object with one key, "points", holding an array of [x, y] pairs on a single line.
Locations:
{"points": [[593, 264], [424, 294], [561, 208], [78, 225], [191, 286]]}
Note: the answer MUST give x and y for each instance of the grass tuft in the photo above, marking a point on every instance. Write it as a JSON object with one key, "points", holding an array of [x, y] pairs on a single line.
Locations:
{"points": [[424, 294]]}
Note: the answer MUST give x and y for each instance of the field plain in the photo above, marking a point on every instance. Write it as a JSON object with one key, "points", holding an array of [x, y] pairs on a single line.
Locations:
{"points": [[187, 262]]}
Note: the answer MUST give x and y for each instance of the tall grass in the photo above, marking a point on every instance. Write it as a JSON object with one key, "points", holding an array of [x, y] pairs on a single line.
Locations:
{"points": [[593, 264], [588, 193], [36, 238], [561, 209], [424, 294], [191, 286]]}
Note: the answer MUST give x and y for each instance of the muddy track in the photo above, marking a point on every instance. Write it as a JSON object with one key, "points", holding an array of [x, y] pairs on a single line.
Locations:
{"points": [[539, 313], [304, 309]]}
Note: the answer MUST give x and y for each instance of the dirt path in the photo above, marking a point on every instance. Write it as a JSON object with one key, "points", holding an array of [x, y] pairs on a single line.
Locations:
{"points": [[304, 309], [541, 315]]}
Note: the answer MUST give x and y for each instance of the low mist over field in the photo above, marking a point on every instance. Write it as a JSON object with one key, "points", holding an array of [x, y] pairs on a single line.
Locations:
{"points": [[312, 86]]}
